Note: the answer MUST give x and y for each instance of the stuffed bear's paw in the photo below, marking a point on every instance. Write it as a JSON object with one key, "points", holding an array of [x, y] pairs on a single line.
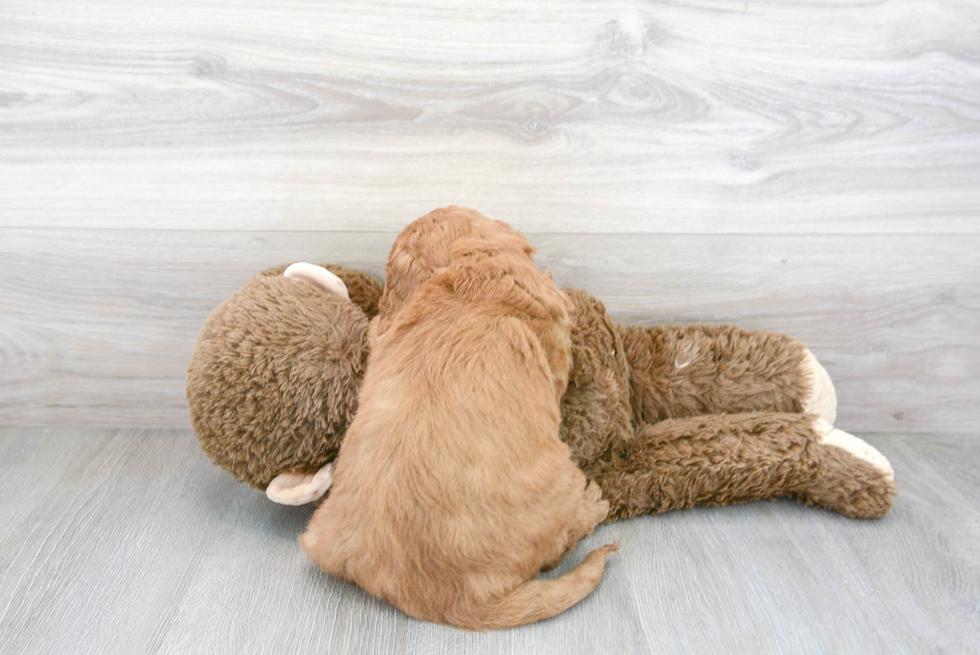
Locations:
{"points": [[852, 478], [821, 399], [859, 448]]}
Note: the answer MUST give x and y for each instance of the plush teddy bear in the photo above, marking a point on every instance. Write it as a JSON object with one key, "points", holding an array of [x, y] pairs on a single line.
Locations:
{"points": [[662, 418]]}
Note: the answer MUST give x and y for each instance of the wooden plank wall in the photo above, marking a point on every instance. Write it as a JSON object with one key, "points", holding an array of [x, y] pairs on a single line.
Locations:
{"points": [[809, 167]]}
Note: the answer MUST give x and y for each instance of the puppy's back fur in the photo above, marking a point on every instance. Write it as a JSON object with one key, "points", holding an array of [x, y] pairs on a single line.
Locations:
{"points": [[452, 489]]}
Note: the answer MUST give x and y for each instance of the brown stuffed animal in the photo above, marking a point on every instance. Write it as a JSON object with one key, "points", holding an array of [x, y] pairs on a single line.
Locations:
{"points": [[662, 418], [273, 382]]}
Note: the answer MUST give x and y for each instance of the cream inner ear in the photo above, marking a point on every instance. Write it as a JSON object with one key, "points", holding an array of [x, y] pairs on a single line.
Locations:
{"points": [[300, 488], [318, 277]]}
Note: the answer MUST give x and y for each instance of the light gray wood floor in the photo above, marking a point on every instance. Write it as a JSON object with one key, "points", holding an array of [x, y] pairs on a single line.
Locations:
{"points": [[131, 541]]}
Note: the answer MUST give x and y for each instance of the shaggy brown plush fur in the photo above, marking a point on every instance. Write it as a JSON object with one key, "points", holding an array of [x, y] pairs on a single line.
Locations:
{"points": [[452, 489], [674, 416], [633, 393], [696, 370], [733, 458], [273, 382]]}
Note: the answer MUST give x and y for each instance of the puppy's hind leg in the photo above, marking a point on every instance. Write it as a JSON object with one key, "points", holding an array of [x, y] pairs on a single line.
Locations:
{"points": [[591, 512], [593, 509]]}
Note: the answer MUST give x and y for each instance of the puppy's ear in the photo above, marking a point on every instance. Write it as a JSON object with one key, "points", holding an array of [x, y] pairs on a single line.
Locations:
{"points": [[423, 249], [478, 273], [552, 299], [406, 272]]}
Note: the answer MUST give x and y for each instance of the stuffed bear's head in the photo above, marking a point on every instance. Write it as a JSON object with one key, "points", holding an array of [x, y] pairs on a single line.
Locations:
{"points": [[273, 382]]}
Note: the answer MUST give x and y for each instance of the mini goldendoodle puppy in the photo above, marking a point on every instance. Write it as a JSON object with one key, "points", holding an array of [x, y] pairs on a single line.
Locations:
{"points": [[452, 489]]}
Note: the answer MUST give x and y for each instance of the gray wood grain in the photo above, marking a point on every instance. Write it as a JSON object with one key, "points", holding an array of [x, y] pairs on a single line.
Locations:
{"points": [[98, 325], [816, 116], [132, 538], [809, 167]]}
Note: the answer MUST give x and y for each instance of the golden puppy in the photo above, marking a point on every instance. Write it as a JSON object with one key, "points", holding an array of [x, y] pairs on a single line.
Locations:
{"points": [[452, 489]]}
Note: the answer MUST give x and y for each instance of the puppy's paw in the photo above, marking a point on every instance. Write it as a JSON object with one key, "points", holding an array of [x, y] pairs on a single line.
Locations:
{"points": [[593, 492], [594, 509]]}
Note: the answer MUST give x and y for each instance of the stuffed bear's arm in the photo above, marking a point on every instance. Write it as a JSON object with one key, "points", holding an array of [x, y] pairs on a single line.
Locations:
{"points": [[690, 370], [726, 459], [300, 488]]}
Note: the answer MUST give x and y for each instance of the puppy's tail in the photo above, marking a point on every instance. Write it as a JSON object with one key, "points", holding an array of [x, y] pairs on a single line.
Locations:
{"points": [[540, 599]]}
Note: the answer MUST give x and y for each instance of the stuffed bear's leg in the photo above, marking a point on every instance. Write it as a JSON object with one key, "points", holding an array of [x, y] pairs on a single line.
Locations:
{"points": [[690, 370], [725, 459]]}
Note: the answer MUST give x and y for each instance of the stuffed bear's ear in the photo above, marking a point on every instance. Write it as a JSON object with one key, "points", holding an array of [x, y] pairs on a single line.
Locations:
{"points": [[300, 488], [318, 277]]}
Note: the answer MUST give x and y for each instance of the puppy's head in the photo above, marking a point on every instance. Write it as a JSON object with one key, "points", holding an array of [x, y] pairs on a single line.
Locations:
{"points": [[431, 244]]}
